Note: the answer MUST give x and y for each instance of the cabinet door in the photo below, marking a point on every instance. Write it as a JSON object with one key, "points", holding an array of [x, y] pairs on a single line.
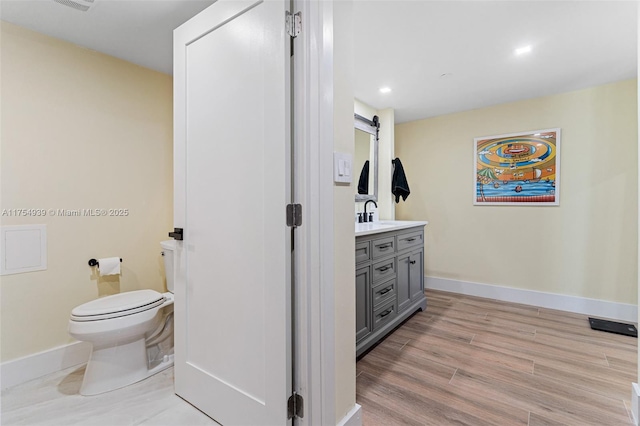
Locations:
{"points": [[363, 302], [382, 293], [383, 247], [403, 278], [384, 270], [416, 274], [409, 240], [363, 251]]}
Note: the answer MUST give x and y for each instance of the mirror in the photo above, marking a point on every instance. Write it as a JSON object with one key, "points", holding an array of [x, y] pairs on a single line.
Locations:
{"points": [[365, 158]]}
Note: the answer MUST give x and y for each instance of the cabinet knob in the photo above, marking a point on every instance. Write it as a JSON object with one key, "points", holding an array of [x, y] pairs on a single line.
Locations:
{"points": [[412, 262]]}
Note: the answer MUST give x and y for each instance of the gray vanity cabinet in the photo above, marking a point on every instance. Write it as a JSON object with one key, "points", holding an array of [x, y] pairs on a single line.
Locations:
{"points": [[389, 282]]}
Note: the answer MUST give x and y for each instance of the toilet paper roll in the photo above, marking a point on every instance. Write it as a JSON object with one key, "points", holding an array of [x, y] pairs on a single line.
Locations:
{"points": [[109, 266]]}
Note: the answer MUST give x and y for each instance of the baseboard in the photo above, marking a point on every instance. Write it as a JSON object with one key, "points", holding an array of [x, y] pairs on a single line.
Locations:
{"points": [[21, 370], [635, 402], [353, 417], [581, 305]]}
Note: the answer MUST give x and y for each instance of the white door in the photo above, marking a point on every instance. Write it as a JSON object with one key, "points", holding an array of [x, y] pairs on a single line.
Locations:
{"points": [[231, 187]]}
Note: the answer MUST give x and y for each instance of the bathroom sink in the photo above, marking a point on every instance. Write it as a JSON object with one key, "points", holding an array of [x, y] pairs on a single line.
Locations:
{"points": [[367, 228], [377, 224]]}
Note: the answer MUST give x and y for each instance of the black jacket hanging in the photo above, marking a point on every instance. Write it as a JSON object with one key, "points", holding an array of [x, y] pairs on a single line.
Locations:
{"points": [[399, 184], [363, 182]]}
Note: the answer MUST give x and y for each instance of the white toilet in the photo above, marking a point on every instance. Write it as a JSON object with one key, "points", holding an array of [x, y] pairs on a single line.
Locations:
{"points": [[131, 334]]}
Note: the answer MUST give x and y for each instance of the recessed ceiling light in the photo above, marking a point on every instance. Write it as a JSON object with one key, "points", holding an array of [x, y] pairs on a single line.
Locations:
{"points": [[522, 50], [385, 89]]}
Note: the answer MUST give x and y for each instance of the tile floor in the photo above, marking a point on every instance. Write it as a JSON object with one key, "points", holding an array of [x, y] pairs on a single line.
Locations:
{"points": [[54, 400]]}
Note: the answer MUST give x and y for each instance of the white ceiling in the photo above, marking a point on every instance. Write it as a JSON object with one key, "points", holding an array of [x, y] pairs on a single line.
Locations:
{"points": [[406, 45], [138, 31]]}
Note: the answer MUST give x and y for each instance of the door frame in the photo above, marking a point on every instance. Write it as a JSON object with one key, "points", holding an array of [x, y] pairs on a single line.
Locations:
{"points": [[314, 316], [314, 376]]}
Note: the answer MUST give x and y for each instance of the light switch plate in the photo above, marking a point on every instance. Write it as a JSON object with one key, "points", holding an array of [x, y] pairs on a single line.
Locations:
{"points": [[342, 167]]}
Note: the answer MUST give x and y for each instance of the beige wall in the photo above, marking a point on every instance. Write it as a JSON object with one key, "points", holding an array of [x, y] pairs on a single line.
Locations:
{"points": [[80, 130], [343, 233], [635, 414], [386, 151], [585, 247]]}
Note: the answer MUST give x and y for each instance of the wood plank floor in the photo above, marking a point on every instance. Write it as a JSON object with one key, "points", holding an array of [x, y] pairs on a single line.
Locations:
{"points": [[474, 361], [465, 361]]}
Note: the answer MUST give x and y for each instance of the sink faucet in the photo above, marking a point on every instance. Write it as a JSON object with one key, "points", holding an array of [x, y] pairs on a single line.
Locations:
{"points": [[365, 208]]}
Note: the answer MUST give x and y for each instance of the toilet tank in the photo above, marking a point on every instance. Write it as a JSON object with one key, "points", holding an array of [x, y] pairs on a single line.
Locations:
{"points": [[168, 249]]}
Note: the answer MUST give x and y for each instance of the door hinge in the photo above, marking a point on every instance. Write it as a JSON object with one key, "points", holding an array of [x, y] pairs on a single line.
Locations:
{"points": [[295, 406], [294, 215], [293, 24]]}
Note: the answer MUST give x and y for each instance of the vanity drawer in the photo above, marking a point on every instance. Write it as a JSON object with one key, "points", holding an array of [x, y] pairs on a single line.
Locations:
{"points": [[384, 292], [410, 240], [363, 251], [384, 314], [383, 246], [384, 270]]}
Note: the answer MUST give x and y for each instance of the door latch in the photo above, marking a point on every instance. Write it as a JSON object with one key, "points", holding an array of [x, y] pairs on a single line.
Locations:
{"points": [[177, 234]]}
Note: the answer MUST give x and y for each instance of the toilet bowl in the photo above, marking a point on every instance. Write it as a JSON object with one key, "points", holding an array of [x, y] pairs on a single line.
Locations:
{"points": [[131, 334]]}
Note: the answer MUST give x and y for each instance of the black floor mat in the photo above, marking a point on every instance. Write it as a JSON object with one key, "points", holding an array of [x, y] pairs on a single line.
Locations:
{"points": [[613, 327]]}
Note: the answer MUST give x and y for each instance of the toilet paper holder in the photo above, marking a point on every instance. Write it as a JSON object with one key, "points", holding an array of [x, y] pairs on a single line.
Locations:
{"points": [[94, 262]]}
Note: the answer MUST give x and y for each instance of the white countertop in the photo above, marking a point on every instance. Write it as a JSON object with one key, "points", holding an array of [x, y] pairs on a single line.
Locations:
{"points": [[386, 225]]}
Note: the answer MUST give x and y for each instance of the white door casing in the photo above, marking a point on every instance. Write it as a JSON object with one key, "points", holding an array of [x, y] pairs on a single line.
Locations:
{"points": [[315, 287], [231, 185]]}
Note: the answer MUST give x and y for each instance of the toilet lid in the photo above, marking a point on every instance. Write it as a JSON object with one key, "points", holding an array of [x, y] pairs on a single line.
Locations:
{"points": [[118, 305]]}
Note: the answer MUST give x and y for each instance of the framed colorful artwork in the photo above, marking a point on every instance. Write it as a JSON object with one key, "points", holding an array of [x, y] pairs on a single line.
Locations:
{"points": [[520, 169]]}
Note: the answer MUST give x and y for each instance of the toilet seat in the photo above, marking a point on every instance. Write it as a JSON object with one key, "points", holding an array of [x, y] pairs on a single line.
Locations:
{"points": [[118, 305]]}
